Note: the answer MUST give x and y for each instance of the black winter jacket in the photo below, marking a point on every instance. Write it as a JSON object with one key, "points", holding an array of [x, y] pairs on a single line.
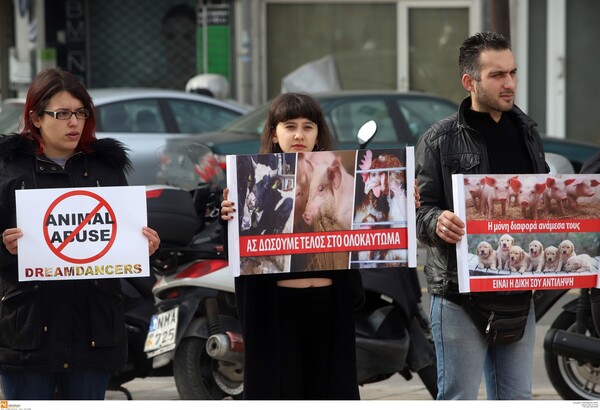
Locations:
{"points": [[58, 324], [452, 147]]}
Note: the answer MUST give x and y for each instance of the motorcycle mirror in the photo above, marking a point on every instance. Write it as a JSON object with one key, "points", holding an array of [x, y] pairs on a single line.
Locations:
{"points": [[187, 164], [366, 132]]}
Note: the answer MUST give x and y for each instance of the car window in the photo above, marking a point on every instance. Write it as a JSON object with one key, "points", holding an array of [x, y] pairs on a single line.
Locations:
{"points": [[345, 119], [131, 116], [197, 117], [251, 123], [420, 113], [10, 115]]}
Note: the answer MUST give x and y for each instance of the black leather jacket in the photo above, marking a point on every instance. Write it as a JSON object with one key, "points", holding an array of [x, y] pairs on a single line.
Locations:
{"points": [[452, 147], [63, 324]]}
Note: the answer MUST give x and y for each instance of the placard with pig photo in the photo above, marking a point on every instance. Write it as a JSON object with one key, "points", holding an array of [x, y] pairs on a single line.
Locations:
{"points": [[524, 232], [321, 210]]}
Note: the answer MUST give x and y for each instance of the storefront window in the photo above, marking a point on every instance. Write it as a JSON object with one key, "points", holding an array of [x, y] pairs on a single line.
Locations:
{"points": [[435, 35], [361, 38]]}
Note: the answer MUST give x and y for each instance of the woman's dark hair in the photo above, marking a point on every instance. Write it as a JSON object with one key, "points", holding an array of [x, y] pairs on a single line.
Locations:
{"points": [[289, 106], [471, 48], [46, 84]]}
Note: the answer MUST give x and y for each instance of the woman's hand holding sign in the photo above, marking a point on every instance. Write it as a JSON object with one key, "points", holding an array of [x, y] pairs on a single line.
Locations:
{"points": [[226, 207], [153, 239], [10, 238]]}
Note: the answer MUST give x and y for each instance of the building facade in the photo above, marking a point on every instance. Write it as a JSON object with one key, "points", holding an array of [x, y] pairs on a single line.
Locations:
{"points": [[256, 44]]}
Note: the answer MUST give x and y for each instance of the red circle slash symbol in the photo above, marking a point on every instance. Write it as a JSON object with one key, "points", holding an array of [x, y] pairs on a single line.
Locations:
{"points": [[58, 251]]}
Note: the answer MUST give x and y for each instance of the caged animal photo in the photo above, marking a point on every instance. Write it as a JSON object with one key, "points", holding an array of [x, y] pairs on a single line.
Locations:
{"points": [[380, 202], [265, 186], [265, 193]]}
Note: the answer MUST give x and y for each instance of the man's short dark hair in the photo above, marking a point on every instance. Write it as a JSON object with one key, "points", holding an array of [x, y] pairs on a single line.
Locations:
{"points": [[471, 48]]}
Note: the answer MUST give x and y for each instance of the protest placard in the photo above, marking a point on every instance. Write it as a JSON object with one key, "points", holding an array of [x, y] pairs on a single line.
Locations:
{"points": [[527, 232], [321, 210], [82, 233]]}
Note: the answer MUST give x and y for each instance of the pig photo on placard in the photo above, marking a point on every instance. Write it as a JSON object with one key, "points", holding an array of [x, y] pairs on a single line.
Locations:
{"points": [[532, 197], [323, 203], [266, 195], [380, 202]]}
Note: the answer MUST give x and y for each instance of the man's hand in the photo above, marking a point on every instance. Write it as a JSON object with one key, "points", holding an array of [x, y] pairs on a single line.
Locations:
{"points": [[449, 227]]}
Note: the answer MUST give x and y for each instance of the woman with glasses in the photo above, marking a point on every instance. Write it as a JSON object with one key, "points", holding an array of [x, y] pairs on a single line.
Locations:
{"points": [[58, 339]]}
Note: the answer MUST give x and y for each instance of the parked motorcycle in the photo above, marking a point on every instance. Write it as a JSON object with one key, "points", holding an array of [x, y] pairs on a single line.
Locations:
{"points": [[195, 291], [173, 213], [392, 330], [571, 346], [393, 333], [207, 350], [139, 307], [196, 330]]}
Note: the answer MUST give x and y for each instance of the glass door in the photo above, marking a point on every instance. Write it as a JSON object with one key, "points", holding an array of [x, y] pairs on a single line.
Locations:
{"points": [[429, 37]]}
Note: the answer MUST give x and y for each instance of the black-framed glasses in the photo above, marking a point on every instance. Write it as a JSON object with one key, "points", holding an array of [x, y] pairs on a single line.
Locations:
{"points": [[66, 114]]}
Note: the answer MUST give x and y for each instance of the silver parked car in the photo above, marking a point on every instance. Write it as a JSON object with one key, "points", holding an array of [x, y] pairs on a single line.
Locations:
{"points": [[144, 119]]}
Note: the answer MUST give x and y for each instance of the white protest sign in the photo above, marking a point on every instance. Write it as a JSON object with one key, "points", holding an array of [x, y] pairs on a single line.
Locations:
{"points": [[82, 233]]}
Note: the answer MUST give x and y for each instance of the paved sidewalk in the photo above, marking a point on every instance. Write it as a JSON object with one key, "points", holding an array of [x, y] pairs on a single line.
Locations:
{"points": [[395, 388]]}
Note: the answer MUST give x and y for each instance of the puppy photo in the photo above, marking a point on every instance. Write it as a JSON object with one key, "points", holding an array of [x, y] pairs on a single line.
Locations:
{"points": [[552, 258], [566, 250], [503, 251], [486, 256], [519, 260], [580, 263], [536, 256]]}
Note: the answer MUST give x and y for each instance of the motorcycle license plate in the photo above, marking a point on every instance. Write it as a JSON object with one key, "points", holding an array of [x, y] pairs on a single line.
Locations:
{"points": [[162, 333]]}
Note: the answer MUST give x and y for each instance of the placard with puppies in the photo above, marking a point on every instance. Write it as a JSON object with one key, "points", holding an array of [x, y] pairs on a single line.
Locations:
{"points": [[527, 232]]}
